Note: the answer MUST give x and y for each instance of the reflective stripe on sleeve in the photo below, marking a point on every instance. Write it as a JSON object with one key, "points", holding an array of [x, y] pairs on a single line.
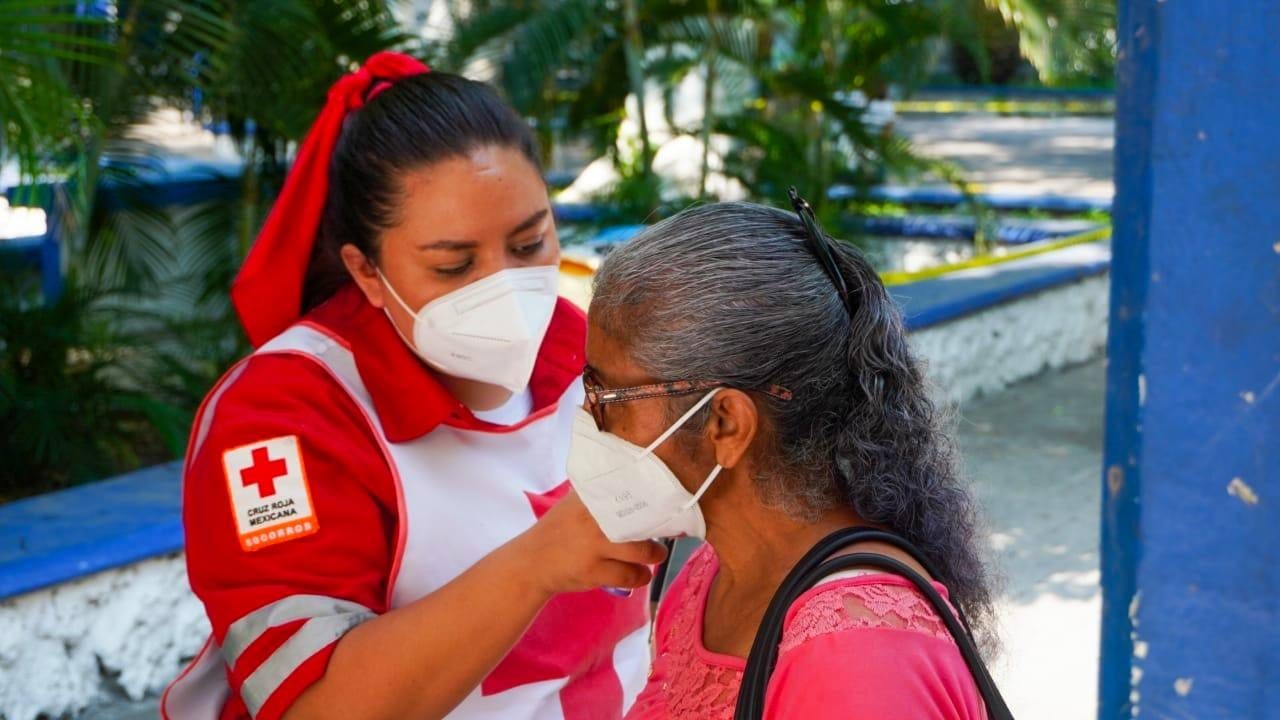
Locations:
{"points": [[314, 635], [249, 628]]}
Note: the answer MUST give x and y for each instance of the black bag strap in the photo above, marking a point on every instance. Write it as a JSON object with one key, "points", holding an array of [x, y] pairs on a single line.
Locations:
{"points": [[817, 564], [659, 584]]}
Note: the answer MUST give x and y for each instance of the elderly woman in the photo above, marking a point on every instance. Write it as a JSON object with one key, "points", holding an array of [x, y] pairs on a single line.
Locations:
{"points": [[749, 381]]}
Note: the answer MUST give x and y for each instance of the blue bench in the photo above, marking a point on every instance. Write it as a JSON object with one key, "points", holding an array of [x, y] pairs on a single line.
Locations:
{"points": [[947, 197], [60, 536]]}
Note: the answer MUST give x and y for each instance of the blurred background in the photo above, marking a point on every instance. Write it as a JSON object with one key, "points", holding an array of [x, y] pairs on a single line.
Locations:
{"points": [[147, 139], [965, 145]]}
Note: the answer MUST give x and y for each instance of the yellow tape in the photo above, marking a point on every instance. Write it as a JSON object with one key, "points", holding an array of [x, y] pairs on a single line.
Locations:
{"points": [[574, 272], [1006, 107], [901, 278]]}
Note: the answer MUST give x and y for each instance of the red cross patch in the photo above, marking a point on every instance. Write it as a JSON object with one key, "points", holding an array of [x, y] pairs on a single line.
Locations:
{"points": [[270, 497]]}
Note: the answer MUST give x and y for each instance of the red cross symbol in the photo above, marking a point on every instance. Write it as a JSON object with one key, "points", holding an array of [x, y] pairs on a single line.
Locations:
{"points": [[573, 638], [264, 472]]}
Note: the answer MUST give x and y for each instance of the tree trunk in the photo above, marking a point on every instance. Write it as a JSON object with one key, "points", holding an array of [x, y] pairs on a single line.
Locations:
{"points": [[250, 195], [709, 96], [634, 44]]}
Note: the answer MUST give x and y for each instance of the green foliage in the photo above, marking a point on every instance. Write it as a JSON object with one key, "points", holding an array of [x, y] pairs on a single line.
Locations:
{"points": [[815, 64], [105, 380], [1069, 42], [788, 73], [565, 62], [108, 377], [39, 113], [637, 197], [71, 406]]}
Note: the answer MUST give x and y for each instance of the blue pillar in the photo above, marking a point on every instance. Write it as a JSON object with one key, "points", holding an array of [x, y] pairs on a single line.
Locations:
{"points": [[1191, 477]]}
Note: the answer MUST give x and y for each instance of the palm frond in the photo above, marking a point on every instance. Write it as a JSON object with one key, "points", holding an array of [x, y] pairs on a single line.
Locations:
{"points": [[1061, 37], [528, 45], [481, 29], [40, 116]]}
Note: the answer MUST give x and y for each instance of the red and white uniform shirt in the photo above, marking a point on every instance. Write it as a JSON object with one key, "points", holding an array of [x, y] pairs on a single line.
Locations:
{"points": [[331, 478]]}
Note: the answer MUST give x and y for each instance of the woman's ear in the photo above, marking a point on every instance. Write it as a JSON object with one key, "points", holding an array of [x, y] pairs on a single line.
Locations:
{"points": [[732, 426], [364, 274]]}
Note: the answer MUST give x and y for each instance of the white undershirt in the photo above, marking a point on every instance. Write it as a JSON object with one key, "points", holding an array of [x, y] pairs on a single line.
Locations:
{"points": [[846, 574], [515, 409]]}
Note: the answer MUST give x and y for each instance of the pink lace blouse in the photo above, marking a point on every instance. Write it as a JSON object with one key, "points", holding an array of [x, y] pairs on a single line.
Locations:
{"points": [[866, 646]]}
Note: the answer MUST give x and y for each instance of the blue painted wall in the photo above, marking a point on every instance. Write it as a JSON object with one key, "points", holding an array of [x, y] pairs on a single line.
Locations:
{"points": [[1191, 480]]}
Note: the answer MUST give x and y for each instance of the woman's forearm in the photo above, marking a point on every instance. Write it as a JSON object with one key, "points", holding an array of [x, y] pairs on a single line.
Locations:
{"points": [[422, 659]]}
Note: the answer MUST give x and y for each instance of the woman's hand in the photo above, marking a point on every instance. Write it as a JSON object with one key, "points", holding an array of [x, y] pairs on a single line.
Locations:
{"points": [[422, 659], [568, 553]]}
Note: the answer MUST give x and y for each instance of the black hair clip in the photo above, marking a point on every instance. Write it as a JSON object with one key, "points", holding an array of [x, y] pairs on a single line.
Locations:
{"points": [[820, 246]]}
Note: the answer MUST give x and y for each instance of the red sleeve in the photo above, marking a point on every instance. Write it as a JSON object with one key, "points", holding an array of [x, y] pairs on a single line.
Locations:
{"points": [[290, 514], [872, 673]]}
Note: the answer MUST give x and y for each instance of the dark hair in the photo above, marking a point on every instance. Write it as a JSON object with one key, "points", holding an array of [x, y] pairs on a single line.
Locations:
{"points": [[415, 122], [730, 291]]}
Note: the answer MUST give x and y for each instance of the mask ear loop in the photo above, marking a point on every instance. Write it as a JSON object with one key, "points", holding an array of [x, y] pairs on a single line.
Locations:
{"points": [[387, 284], [683, 419], [706, 485], [385, 311]]}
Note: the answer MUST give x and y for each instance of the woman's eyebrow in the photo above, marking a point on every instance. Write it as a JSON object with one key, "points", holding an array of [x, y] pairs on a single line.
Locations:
{"points": [[526, 224], [530, 222], [448, 245], [595, 372]]}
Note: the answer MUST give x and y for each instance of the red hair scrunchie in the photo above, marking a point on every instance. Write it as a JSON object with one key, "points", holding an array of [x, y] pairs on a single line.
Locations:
{"points": [[267, 292]]}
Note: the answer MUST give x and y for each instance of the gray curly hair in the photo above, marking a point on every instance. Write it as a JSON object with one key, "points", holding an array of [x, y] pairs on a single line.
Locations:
{"points": [[730, 291]]}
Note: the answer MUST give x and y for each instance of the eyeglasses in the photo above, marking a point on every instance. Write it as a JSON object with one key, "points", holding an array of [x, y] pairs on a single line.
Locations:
{"points": [[598, 395], [818, 244]]}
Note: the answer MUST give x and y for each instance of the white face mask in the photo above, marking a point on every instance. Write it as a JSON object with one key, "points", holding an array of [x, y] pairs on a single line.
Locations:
{"points": [[488, 331], [631, 493]]}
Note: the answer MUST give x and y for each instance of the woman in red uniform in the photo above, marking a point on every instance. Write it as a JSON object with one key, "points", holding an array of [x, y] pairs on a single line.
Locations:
{"points": [[377, 515]]}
